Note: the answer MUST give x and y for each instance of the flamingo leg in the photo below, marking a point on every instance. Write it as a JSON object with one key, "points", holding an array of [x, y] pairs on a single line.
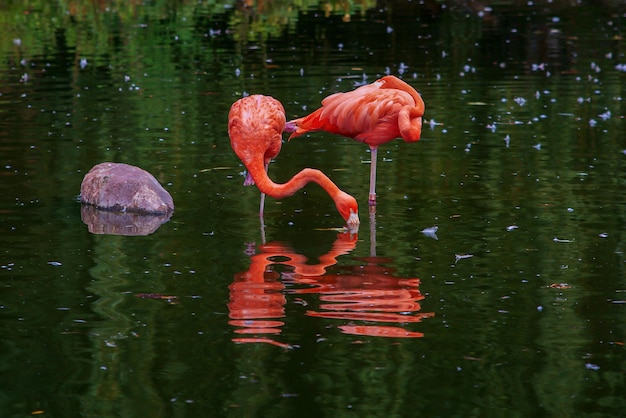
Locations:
{"points": [[372, 196], [372, 231], [262, 229], [262, 205], [261, 209]]}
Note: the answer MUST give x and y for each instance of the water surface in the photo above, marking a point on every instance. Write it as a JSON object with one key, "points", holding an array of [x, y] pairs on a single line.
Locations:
{"points": [[489, 282]]}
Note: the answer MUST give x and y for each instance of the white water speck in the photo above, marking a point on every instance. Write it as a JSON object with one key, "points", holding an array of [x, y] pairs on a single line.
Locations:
{"points": [[431, 232], [462, 257]]}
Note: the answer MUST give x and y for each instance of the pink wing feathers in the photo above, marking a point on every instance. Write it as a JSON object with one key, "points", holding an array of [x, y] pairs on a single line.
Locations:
{"points": [[374, 114], [255, 127]]}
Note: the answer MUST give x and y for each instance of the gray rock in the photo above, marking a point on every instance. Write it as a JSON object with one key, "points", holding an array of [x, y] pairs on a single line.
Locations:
{"points": [[125, 188]]}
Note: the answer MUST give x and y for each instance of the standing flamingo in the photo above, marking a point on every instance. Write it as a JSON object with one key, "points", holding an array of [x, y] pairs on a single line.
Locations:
{"points": [[255, 126], [374, 114]]}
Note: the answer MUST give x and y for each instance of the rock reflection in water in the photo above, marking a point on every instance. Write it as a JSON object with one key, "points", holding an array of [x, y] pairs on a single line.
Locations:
{"points": [[120, 223]]}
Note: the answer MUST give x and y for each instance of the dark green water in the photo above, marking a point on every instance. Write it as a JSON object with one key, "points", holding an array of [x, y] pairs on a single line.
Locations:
{"points": [[514, 308]]}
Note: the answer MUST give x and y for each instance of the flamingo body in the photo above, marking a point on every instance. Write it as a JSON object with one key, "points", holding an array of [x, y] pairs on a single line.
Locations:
{"points": [[373, 114], [255, 126]]}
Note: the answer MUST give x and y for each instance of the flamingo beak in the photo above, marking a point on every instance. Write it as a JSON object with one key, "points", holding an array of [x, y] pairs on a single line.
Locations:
{"points": [[290, 127], [353, 220]]}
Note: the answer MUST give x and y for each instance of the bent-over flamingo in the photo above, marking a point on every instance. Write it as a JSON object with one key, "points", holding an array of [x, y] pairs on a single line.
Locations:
{"points": [[255, 126]]}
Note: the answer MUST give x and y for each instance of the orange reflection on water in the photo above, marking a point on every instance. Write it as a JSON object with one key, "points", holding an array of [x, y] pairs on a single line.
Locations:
{"points": [[257, 301], [257, 295], [367, 297], [368, 293]]}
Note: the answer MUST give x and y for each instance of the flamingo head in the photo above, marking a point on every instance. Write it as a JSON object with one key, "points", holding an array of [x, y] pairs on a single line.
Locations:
{"points": [[349, 210], [410, 123]]}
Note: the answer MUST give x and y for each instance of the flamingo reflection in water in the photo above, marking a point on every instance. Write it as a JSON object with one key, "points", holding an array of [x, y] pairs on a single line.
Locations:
{"points": [[257, 295], [367, 293], [257, 302], [365, 296]]}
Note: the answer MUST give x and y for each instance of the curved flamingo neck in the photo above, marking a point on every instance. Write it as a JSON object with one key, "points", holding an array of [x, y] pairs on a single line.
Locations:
{"points": [[346, 205], [297, 182], [392, 82]]}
